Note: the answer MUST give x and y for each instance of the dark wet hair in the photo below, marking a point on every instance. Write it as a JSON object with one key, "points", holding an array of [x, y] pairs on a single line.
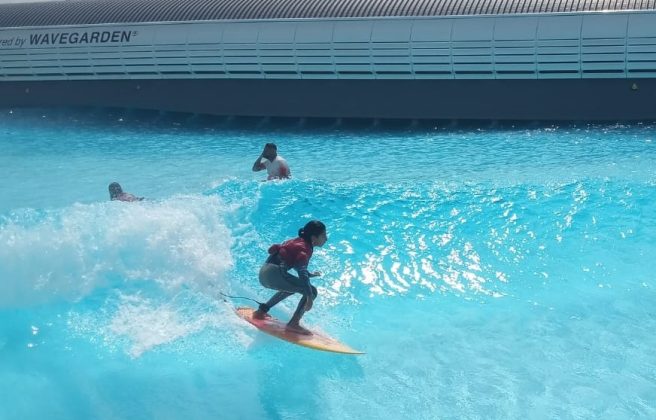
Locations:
{"points": [[311, 228], [115, 189], [271, 145]]}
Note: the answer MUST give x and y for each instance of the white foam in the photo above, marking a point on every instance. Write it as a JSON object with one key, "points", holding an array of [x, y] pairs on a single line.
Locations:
{"points": [[134, 324], [146, 324], [68, 253]]}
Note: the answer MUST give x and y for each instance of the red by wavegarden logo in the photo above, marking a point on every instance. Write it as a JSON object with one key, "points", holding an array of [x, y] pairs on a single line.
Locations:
{"points": [[76, 38]]}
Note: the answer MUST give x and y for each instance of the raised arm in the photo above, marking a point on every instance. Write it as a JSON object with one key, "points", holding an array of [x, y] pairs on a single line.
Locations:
{"points": [[258, 165]]}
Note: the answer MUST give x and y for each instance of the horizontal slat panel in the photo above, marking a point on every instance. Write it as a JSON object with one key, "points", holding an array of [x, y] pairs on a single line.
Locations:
{"points": [[411, 48]]}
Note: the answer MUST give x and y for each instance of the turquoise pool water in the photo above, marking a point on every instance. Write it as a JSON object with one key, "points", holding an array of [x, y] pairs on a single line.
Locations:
{"points": [[488, 272]]}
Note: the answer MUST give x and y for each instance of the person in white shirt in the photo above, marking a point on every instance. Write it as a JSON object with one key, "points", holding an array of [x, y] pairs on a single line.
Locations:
{"points": [[275, 165]]}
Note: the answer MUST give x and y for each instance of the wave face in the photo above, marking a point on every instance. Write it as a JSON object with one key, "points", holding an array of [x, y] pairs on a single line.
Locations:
{"points": [[498, 272]]}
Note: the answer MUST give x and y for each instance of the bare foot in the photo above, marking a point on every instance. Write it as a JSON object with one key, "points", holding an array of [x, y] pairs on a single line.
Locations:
{"points": [[296, 328], [260, 315]]}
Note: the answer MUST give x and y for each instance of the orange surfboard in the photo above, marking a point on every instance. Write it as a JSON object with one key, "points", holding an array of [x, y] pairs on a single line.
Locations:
{"points": [[277, 328]]}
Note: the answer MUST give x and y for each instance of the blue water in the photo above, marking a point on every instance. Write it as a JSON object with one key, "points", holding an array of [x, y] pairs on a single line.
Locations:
{"points": [[488, 272]]}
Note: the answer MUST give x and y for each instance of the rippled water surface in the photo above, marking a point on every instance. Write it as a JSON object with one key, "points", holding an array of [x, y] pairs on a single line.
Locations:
{"points": [[487, 272]]}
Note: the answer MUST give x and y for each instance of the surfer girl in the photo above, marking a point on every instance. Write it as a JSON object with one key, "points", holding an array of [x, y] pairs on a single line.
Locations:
{"points": [[274, 274]]}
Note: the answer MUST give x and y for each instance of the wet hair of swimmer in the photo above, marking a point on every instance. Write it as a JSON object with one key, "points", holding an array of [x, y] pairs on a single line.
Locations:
{"points": [[311, 228], [115, 189], [271, 146]]}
